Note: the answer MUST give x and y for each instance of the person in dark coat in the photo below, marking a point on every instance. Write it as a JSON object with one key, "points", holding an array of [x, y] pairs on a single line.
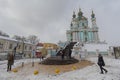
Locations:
{"points": [[62, 54], [70, 52], [101, 63], [10, 61]]}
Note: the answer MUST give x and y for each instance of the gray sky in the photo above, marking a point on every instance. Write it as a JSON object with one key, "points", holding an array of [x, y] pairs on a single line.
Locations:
{"points": [[49, 19]]}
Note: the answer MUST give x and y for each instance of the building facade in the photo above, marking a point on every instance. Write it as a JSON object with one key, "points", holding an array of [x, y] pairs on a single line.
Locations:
{"points": [[7, 45], [80, 30]]}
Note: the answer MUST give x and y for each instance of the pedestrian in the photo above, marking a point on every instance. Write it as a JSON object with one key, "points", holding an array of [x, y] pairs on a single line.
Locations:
{"points": [[42, 57], [62, 54], [10, 61], [101, 63], [70, 52]]}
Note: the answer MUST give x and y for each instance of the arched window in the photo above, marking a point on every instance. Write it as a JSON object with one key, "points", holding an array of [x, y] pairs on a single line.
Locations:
{"points": [[83, 24], [11, 45], [1, 46]]}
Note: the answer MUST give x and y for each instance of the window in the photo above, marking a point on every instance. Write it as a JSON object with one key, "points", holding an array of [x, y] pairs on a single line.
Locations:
{"points": [[85, 32], [85, 39], [1, 45], [82, 24], [25, 47], [10, 47], [30, 48], [19, 47]]}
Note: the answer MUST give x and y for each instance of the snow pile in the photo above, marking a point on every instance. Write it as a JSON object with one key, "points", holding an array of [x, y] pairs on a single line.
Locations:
{"points": [[94, 47]]}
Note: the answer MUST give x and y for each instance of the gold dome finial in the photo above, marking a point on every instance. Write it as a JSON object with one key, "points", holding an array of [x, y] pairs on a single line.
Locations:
{"points": [[74, 15], [80, 12], [93, 15], [92, 12], [79, 9]]}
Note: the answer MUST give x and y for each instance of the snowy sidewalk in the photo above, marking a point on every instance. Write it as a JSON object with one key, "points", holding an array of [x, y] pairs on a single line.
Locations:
{"points": [[87, 73]]}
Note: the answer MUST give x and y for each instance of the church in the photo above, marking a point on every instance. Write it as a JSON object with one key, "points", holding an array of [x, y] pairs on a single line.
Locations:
{"points": [[86, 35], [80, 31]]}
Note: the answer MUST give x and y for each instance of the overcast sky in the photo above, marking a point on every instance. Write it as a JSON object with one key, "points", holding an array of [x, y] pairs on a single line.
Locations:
{"points": [[49, 19]]}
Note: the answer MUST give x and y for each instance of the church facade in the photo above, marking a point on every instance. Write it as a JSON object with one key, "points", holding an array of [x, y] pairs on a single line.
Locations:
{"points": [[80, 30], [86, 36]]}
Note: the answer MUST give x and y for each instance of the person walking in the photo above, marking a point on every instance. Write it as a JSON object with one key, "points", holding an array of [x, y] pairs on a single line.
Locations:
{"points": [[101, 63], [10, 61]]}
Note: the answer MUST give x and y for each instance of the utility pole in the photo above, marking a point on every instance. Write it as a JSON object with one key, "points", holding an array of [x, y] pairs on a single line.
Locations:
{"points": [[115, 50], [14, 50], [23, 47]]}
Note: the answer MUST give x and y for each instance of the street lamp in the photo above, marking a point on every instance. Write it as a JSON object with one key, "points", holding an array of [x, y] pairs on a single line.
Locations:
{"points": [[14, 50], [23, 47]]}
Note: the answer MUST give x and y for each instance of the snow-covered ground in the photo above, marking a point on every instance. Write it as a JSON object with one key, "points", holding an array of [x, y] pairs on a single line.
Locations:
{"points": [[87, 73]]}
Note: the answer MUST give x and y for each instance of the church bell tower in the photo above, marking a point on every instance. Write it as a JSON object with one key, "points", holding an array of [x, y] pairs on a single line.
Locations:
{"points": [[80, 31]]}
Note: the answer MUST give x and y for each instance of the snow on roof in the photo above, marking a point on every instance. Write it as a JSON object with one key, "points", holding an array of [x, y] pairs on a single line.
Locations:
{"points": [[7, 38], [94, 47]]}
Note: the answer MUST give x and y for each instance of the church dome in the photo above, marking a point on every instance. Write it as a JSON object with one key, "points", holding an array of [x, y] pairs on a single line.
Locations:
{"points": [[80, 13], [74, 16], [93, 15]]}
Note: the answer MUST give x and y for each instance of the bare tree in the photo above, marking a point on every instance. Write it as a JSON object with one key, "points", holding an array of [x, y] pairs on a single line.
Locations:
{"points": [[16, 37], [33, 39], [0, 32], [23, 38], [3, 34], [20, 38]]}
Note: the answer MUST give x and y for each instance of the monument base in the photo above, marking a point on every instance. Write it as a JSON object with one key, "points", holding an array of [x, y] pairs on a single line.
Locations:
{"points": [[59, 61]]}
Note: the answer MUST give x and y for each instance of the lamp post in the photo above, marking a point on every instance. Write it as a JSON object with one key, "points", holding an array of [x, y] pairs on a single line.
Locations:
{"points": [[115, 51], [23, 47], [23, 51], [14, 50], [33, 53]]}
